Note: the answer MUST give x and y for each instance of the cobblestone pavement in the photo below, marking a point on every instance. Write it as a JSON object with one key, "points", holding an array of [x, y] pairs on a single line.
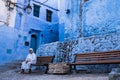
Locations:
{"points": [[39, 75]]}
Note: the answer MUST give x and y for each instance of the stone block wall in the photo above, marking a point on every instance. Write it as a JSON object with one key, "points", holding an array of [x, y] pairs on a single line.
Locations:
{"points": [[62, 50]]}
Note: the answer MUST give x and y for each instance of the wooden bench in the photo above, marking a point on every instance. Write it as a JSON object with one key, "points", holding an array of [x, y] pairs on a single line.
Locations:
{"points": [[109, 57], [44, 61]]}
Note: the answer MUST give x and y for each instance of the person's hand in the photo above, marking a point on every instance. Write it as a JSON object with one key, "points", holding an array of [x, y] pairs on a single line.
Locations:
{"points": [[27, 61]]}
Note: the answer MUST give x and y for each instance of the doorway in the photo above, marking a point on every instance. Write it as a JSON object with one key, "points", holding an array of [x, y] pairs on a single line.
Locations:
{"points": [[33, 42]]}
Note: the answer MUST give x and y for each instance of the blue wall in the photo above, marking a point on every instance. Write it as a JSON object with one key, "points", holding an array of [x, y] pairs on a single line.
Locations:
{"points": [[46, 31], [61, 32], [12, 40], [89, 18], [49, 30], [101, 17], [98, 17], [12, 44], [71, 20]]}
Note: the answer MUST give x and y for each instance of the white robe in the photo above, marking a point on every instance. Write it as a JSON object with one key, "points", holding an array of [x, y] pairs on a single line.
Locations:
{"points": [[32, 57]]}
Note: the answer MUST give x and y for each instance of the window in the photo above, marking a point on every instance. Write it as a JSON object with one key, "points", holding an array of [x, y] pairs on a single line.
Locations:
{"points": [[48, 15], [36, 10], [26, 43]]}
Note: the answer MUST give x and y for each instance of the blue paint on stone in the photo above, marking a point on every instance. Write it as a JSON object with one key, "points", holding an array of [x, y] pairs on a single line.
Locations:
{"points": [[100, 17], [61, 32], [25, 38]]}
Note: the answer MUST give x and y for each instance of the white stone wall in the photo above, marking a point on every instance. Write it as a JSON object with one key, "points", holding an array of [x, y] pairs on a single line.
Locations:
{"points": [[7, 17]]}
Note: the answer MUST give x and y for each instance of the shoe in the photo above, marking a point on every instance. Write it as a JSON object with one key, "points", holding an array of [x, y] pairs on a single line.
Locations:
{"points": [[22, 71]]}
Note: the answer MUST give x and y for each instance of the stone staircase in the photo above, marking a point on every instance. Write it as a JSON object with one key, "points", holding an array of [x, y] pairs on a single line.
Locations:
{"points": [[11, 65]]}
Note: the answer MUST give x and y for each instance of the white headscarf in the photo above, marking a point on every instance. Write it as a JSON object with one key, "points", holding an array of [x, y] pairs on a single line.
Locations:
{"points": [[31, 49]]}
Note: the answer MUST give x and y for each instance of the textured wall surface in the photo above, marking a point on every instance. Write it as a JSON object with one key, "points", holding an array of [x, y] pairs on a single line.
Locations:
{"points": [[101, 17], [71, 20], [83, 45], [88, 18]]}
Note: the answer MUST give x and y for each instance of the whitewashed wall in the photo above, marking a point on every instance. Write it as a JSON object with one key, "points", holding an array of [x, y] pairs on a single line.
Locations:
{"points": [[6, 16]]}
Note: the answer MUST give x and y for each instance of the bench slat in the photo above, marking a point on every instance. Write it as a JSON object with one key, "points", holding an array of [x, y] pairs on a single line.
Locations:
{"points": [[98, 57], [108, 57], [96, 62]]}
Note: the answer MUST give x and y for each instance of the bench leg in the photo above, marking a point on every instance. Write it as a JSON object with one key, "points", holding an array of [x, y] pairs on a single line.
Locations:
{"points": [[46, 69], [75, 69], [70, 68]]}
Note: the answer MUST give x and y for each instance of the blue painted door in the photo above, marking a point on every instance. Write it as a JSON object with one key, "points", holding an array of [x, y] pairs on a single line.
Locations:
{"points": [[33, 43]]}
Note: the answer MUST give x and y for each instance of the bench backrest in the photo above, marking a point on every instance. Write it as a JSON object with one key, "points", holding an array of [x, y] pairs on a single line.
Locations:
{"points": [[109, 57], [45, 59]]}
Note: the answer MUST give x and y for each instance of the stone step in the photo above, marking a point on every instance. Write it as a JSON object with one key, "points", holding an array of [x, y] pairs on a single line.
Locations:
{"points": [[14, 64]]}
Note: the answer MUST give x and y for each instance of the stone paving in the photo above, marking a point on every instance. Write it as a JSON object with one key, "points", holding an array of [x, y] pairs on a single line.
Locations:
{"points": [[39, 75]]}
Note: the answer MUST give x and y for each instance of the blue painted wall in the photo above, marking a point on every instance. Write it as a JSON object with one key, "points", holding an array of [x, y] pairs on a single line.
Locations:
{"points": [[71, 20], [101, 17], [61, 32], [46, 31], [89, 18], [12, 44]]}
